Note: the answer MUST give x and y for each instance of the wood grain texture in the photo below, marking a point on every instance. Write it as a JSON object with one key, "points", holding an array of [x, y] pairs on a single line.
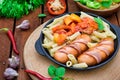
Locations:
{"points": [[118, 16], [72, 6], [112, 19], [40, 64], [49, 16], [25, 43], [23, 35], [4, 44]]}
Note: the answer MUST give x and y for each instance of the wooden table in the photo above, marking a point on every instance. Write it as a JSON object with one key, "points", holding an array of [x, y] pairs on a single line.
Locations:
{"points": [[22, 36]]}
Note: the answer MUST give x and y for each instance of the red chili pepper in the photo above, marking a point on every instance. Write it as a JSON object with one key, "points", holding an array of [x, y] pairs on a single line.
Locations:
{"points": [[39, 76], [58, 8], [11, 37]]}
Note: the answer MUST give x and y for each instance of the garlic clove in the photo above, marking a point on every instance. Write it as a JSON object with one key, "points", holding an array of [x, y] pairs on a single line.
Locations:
{"points": [[10, 73], [24, 25], [14, 61]]}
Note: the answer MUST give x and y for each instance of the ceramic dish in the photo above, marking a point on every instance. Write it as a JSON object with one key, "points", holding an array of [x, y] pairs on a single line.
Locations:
{"points": [[42, 51], [105, 12]]}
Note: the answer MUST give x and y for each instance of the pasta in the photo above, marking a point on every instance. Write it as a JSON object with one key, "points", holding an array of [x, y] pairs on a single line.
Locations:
{"points": [[69, 64], [48, 45], [72, 37], [90, 44], [52, 50], [72, 58], [48, 33], [85, 15], [94, 38], [80, 65], [99, 35]]}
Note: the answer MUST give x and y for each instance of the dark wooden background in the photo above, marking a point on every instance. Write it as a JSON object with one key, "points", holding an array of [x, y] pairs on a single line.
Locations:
{"points": [[22, 36]]}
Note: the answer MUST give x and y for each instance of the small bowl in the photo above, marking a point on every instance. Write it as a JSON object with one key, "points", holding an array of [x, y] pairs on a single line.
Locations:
{"points": [[43, 51], [105, 12]]}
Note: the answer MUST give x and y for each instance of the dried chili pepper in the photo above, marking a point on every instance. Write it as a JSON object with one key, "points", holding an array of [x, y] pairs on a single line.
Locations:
{"points": [[39, 76], [56, 7], [11, 37]]}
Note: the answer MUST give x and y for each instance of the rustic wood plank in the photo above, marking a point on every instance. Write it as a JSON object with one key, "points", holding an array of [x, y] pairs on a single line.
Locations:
{"points": [[72, 6], [112, 19], [49, 16], [4, 45], [118, 16], [22, 36]]}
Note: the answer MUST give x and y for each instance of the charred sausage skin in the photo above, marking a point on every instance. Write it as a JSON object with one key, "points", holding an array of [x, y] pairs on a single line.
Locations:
{"points": [[98, 53], [77, 47]]}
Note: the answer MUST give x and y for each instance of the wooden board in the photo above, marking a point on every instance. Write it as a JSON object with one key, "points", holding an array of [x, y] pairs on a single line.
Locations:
{"points": [[40, 64], [5, 44]]}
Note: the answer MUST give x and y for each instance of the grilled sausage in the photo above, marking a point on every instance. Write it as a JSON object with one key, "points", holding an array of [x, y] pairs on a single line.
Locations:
{"points": [[98, 53], [76, 48]]}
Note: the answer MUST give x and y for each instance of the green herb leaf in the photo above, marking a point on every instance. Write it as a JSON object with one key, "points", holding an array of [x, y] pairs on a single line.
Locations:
{"points": [[56, 78], [42, 15], [106, 4], [100, 23], [18, 8], [51, 70], [60, 71]]}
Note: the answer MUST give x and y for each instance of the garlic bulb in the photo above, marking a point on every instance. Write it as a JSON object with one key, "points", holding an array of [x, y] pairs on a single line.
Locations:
{"points": [[10, 74], [14, 61], [24, 25]]}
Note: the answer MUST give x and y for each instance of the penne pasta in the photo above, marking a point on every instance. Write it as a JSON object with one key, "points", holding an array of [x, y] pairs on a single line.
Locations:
{"points": [[72, 37], [48, 44], [48, 33], [99, 35], [69, 64], [90, 44], [80, 65], [85, 15], [94, 38], [72, 58], [52, 50]]}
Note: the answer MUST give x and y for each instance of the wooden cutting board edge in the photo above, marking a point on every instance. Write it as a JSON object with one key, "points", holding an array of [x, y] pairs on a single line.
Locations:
{"points": [[107, 72]]}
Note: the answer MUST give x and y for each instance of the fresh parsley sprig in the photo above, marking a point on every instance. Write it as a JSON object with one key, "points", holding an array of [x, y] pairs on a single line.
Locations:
{"points": [[18, 8], [56, 73]]}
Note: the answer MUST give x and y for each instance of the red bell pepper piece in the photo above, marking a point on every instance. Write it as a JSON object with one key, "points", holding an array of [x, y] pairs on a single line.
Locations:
{"points": [[56, 7], [11, 37]]}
